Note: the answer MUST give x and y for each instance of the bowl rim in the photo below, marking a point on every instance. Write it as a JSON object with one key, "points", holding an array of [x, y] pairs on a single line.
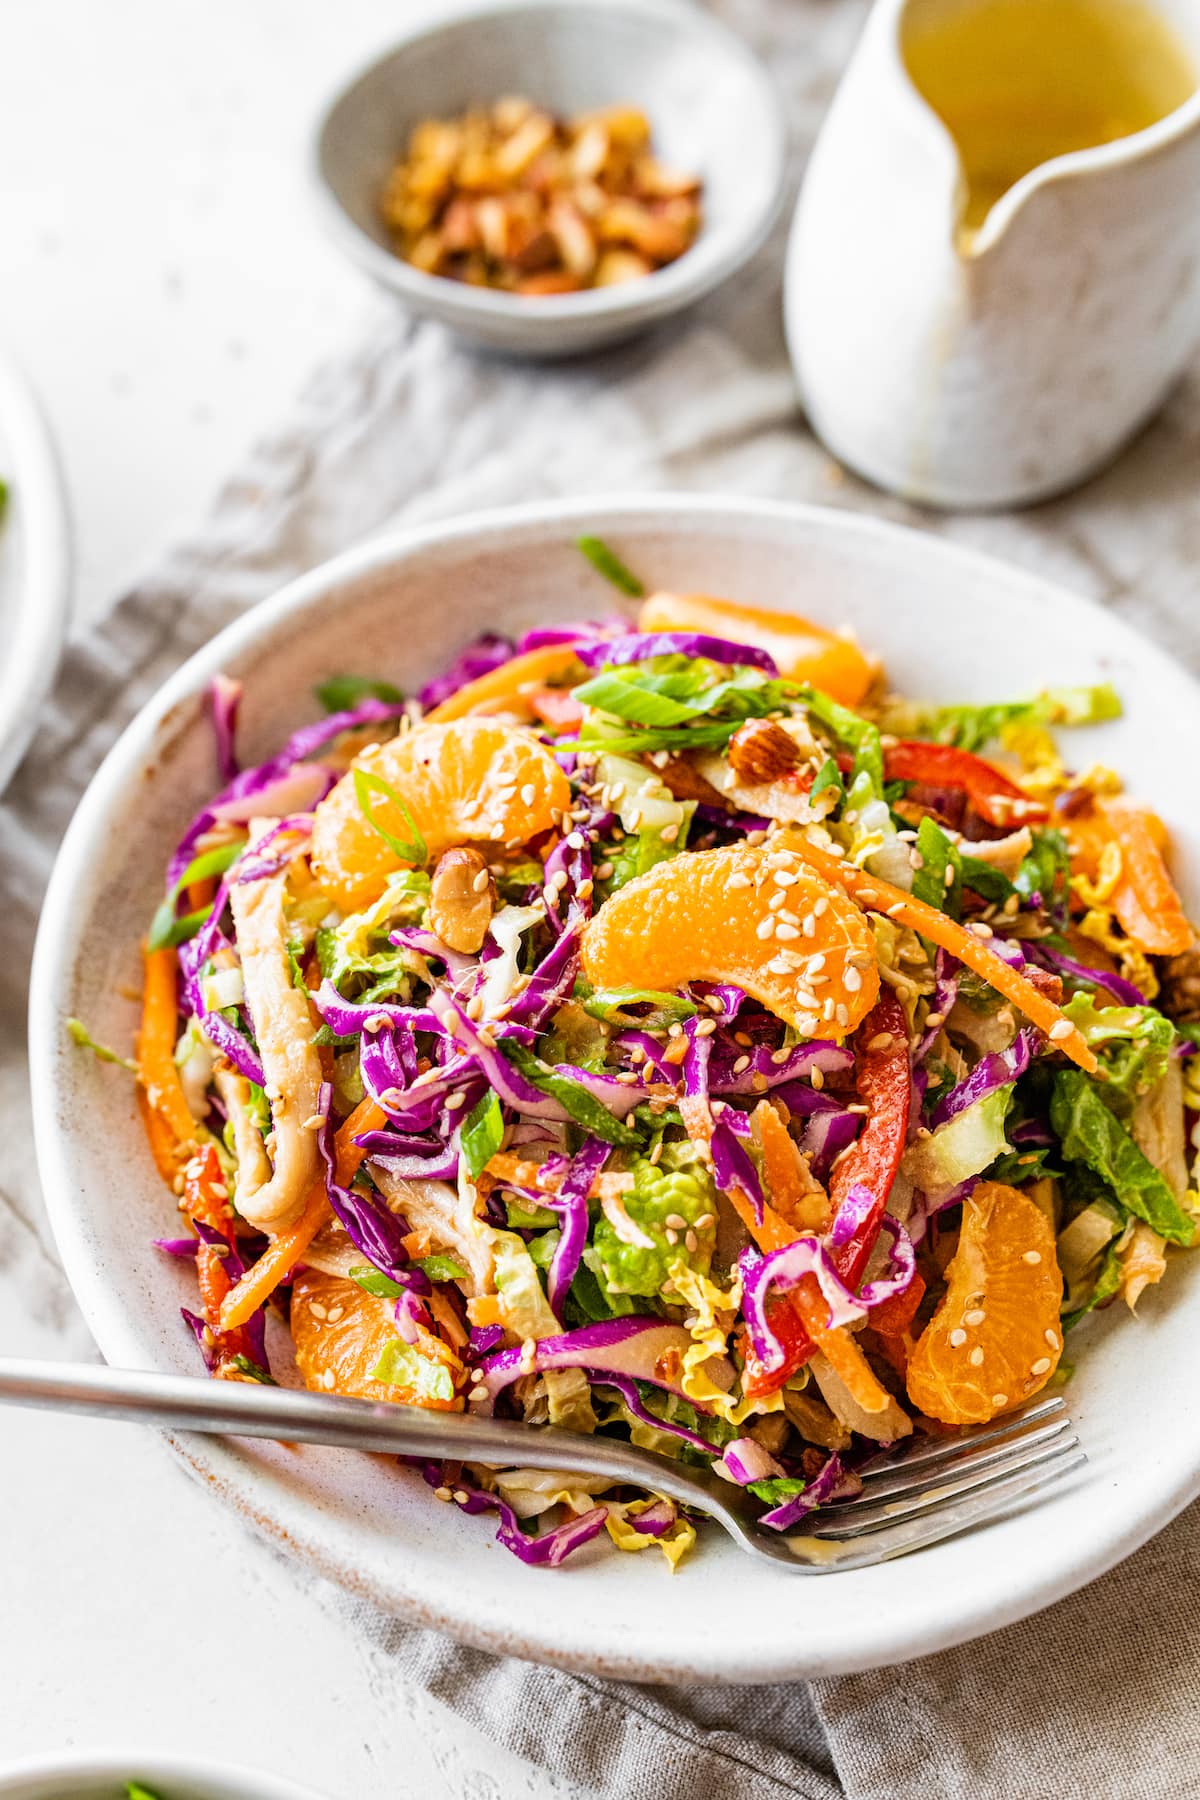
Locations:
{"points": [[35, 481], [1100, 1542], [692, 275], [115, 1764]]}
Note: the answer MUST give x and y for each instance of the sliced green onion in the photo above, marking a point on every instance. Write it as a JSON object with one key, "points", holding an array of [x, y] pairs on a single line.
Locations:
{"points": [[365, 784], [442, 1268], [165, 929], [83, 1037], [607, 563], [342, 693]]}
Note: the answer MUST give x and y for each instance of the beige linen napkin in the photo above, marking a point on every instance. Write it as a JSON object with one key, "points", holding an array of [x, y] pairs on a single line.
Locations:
{"points": [[1096, 1698]]}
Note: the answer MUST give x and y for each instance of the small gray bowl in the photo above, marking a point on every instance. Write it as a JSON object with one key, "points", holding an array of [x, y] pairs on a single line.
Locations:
{"points": [[711, 105]]}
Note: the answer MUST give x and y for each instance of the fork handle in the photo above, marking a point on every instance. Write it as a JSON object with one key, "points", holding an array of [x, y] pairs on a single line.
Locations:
{"points": [[254, 1409]]}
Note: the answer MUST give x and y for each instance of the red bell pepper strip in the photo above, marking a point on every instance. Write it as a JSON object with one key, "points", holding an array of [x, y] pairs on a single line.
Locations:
{"points": [[994, 797], [892, 1318], [206, 1198], [884, 1082], [883, 1079]]}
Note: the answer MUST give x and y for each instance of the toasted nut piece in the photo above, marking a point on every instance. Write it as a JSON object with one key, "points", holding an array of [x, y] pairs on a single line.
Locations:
{"points": [[620, 265], [760, 751], [528, 141], [549, 281], [576, 245], [685, 782], [459, 911]]}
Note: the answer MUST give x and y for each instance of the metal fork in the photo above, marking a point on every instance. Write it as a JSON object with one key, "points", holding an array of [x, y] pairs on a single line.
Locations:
{"points": [[930, 1489]]}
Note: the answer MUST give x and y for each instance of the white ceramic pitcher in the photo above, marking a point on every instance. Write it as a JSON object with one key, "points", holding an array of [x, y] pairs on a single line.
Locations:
{"points": [[1004, 372]]}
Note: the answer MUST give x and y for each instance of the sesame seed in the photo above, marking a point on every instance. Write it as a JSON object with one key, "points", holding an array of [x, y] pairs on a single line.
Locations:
{"points": [[817, 1080], [828, 1009], [916, 859], [743, 1062], [576, 840], [786, 931], [1041, 1366], [461, 1495], [821, 908], [478, 1392], [785, 878], [481, 881], [975, 1317], [669, 833], [765, 928], [675, 1030], [779, 1057], [1012, 905], [738, 880], [807, 1023], [691, 1242], [948, 876], [328, 1378], [672, 1235], [616, 792], [604, 872], [626, 1077], [314, 1123], [775, 901], [529, 793], [705, 1027], [454, 1101], [851, 980], [809, 927], [1051, 1338], [958, 1337], [656, 1154], [317, 1310], [780, 965], [999, 1399], [1061, 1030], [336, 1313], [976, 1357], [706, 1221], [895, 908], [675, 1221], [442, 1493], [1032, 1256], [868, 896], [980, 929]]}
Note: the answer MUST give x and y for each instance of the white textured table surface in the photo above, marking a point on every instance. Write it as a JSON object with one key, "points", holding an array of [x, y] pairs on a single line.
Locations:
{"points": [[166, 291]]}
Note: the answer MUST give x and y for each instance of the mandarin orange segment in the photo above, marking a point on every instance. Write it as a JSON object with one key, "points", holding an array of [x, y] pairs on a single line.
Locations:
{"points": [[708, 917], [803, 651], [469, 781], [340, 1332], [995, 1339]]}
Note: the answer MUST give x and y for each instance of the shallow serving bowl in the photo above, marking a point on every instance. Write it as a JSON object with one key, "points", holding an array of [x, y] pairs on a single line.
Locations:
{"points": [[951, 625], [711, 105], [35, 566], [84, 1775]]}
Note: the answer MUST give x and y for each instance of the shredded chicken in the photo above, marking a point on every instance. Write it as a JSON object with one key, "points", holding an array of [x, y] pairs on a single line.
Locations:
{"points": [[1143, 1262], [1005, 853], [254, 1168], [283, 1026], [437, 1209], [1157, 1128], [883, 1427]]}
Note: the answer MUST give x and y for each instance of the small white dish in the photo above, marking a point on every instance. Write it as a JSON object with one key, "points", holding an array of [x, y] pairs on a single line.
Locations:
{"points": [[35, 566], [711, 104], [408, 602], [104, 1775]]}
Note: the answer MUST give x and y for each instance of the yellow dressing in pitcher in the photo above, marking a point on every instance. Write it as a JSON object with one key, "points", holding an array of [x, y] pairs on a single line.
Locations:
{"points": [[1017, 82]]}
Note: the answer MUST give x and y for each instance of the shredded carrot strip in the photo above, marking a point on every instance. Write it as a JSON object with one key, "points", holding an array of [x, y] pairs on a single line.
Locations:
{"points": [[284, 1252], [156, 1049], [882, 897], [838, 1346], [503, 683], [165, 1147]]}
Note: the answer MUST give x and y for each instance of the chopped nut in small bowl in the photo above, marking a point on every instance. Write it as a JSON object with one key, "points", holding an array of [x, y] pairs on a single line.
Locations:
{"points": [[548, 176]]}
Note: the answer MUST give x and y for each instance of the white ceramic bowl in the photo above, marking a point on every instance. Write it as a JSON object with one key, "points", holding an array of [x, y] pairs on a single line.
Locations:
{"points": [[89, 1775], [951, 625], [35, 567], [712, 107]]}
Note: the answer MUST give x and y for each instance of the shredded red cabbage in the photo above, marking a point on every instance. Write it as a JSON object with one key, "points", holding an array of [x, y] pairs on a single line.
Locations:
{"points": [[990, 1072], [639, 646], [638, 1347], [225, 697], [486, 653]]}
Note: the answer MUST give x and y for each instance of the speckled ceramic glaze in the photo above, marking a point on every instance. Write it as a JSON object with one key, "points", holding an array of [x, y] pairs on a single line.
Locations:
{"points": [[401, 607], [712, 107], [1006, 375]]}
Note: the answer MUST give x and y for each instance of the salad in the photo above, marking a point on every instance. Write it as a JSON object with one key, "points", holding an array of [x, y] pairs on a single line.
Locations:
{"points": [[662, 1029]]}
